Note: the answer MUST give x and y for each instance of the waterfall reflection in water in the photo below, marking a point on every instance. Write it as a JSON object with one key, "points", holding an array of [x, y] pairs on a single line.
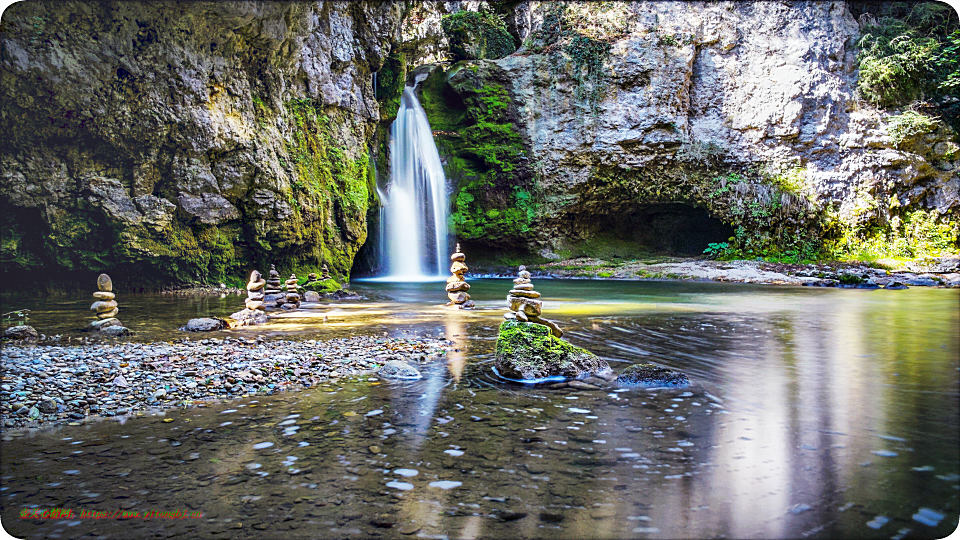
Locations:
{"points": [[823, 413]]}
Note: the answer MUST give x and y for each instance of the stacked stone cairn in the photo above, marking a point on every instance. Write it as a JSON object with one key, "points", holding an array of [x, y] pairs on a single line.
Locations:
{"points": [[293, 295], [457, 285], [272, 291], [524, 303], [255, 292], [254, 313], [106, 307], [325, 271]]}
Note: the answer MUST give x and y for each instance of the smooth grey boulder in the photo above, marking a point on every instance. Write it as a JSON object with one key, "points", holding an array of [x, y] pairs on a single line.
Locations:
{"points": [[115, 331], [397, 369], [205, 324], [249, 317], [649, 375], [21, 333]]}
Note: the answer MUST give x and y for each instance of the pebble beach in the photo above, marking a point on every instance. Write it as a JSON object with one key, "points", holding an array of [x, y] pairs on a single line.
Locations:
{"points": [[47, 385]]}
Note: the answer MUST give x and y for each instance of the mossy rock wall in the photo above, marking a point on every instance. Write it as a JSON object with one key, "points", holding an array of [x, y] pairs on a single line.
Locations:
{"points": [[186, 143]]}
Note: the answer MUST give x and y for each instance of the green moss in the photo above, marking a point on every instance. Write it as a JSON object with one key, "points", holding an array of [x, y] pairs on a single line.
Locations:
{"points": [[325, 286], [919, 234], [909, 125], [475, 35], [496, 196], [530, 351]]}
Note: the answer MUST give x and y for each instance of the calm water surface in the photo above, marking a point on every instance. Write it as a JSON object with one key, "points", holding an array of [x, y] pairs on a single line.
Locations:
{"points": [[815, 412]]}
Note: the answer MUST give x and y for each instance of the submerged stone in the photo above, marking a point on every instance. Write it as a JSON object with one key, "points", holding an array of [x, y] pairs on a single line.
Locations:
{"points": [[530, 351], [24, 332], [249, 317], [652, 375], [396, 369], [205, 324]]}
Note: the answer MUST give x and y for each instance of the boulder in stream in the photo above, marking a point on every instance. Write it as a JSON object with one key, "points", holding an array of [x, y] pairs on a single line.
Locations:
{"points": [[650, 375], [530, 351], [205, 324], [397, 369], [22, 332]]}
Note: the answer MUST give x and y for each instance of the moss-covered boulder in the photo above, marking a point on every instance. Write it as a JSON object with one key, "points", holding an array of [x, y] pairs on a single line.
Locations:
{"points": [[650, 375], [324, 286], [477, 35], [530, 351]]}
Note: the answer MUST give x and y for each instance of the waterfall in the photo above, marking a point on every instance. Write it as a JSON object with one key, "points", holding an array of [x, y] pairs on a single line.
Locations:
{"points": [[413, 223]]}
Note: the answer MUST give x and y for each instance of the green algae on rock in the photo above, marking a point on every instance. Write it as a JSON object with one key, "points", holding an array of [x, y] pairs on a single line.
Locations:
{"points": [[529, 351]]}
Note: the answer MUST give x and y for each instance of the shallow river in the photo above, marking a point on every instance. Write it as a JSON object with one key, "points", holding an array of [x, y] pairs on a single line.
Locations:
{"points": [[814, 412]]}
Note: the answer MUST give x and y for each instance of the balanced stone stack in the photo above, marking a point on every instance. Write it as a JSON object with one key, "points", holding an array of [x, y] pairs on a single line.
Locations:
{"points": [[272, 291], [293, 296], [255, 293], [325, 271], [524, 303], [106, 308], [457, 285]]}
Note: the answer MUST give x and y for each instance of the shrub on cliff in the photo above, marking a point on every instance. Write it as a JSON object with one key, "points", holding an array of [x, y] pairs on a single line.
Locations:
{"points": [[912, 57], [477, 35]]}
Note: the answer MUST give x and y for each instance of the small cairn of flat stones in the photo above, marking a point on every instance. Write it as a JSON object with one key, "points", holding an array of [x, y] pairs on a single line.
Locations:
{"points": [[326, 272], [457, 285], [255, 291], [293, 296], [524, 303], [272, 291], [106, 307]]}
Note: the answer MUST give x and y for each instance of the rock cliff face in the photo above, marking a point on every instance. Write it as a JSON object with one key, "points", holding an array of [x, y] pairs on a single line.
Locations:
{"points": [[670, 125], [179, 142]]}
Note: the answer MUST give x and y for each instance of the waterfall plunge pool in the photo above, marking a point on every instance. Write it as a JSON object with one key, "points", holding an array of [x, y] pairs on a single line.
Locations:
{"points": [[820, 412]]}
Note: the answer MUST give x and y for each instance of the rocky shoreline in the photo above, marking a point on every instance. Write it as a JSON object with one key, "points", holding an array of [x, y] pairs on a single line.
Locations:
{"points": [[946, 273], [47, 385]]}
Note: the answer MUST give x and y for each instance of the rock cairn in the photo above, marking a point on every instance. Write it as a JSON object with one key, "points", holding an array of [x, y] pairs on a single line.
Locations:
{"points": [[272, 291], [255, 291], [524, 303], [325, 272], [105, 305], [293, 296], [457, 285]]}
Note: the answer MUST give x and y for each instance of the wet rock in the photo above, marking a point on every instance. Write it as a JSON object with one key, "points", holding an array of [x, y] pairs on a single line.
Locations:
{"points": [[311, 296], [47, 405], [115, 331], [650, 375], [21, 333], [249, 317], [896, 286], [397, 369], [205, 324], [531, 351], [104, 323]]}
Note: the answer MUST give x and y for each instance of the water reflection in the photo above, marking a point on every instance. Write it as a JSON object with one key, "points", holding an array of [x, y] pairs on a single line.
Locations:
{"points": [[817, 413]]}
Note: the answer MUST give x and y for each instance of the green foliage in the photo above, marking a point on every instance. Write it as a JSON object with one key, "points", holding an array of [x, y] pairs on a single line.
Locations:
{"points": [[919, 234], [911, 57], [21, 316], [475, 35], [908, 125], [715, 250]]}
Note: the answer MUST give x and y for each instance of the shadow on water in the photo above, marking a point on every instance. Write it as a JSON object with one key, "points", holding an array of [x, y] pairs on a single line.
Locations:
{"points": [[821, 413]]}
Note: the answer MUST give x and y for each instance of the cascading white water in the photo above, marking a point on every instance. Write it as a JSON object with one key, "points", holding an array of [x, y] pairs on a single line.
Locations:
{"points": [[413, 221]]}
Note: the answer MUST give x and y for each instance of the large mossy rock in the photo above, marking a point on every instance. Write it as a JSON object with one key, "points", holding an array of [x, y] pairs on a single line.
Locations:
{"points": [[324, 286], [477, 35], [530, 351], [650, 375]]}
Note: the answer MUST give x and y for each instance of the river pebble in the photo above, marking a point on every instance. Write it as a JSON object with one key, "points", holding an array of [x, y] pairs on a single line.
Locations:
{"points": [[43, 384]]}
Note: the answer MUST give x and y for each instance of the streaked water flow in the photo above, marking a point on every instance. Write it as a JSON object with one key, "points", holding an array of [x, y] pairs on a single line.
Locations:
{"points": [[414, 218], [814, 413]]}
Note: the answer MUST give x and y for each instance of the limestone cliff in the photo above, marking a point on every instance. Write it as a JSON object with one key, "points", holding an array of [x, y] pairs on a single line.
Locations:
{"points": [[669, 125]]}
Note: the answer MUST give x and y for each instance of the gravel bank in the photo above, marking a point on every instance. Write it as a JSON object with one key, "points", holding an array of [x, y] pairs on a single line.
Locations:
{"points": [[44, 385]]}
